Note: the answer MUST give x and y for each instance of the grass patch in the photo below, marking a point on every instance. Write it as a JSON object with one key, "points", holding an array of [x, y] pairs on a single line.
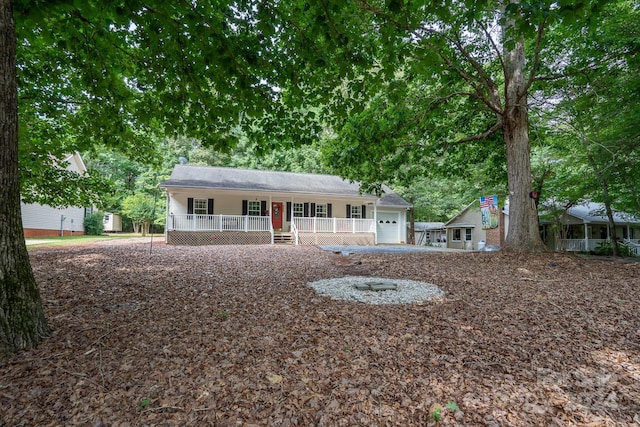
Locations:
{"points": [[79, 240]]}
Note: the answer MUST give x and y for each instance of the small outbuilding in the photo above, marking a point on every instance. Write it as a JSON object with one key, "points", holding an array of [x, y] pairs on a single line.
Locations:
{"points": [[112, 223]]}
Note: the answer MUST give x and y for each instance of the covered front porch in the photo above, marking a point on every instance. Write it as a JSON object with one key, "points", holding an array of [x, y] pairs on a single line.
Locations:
{"points": [[588, 237], [195, 229]]}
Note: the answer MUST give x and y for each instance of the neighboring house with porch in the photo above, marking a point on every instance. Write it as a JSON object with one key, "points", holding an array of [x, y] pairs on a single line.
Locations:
{"points": [[46, 221], [581, 228], [464, 231], [216, 205]]}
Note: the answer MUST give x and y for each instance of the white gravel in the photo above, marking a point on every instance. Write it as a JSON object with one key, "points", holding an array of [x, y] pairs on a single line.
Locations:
{"points": [[407, 292]]}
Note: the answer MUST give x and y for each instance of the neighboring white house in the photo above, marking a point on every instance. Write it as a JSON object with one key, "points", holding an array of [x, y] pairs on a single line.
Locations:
{"points": [[112, 222], [581, 228], [216, 205], [45, 221]]}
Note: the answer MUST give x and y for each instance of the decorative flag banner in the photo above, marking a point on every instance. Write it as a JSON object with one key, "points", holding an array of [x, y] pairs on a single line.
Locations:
{"points": [[489, 211]]}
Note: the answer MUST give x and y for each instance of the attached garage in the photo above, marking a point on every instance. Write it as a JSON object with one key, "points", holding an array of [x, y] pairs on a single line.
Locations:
{"points": [[390, 227]]}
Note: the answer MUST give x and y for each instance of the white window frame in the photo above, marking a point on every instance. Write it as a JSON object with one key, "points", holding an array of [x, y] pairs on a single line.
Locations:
{"points": [[200, 206], [298, 210], [468, 234], [356, 211], [321, 210], [253, 208], [453, 234]]}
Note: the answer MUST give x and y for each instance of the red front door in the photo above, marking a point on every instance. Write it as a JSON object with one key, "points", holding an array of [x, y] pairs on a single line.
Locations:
{"points": [[276, 215]]}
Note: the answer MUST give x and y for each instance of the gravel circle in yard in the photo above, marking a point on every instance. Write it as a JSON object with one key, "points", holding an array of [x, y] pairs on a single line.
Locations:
{"points": [[407, 292]]}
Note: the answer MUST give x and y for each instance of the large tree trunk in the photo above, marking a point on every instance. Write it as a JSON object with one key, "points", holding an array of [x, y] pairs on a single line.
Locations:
{"points": [[22, 321], [523, 234]]}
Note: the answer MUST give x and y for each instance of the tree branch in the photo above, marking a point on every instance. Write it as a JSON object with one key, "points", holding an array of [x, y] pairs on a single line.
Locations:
{"points": [[493, 43], [493, 129], [536, 59], [491, 86], [477, 90]]}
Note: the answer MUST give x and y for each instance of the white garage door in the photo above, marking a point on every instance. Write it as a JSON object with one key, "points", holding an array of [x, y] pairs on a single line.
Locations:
{"points": [[388, 227]]}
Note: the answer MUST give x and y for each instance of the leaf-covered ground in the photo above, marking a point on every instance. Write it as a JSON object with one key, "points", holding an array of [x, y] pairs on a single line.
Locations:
{"points": [[228, 336]]}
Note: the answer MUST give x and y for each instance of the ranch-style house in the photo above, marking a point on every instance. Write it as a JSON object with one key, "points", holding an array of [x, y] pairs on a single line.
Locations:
{"points": [[217, 206]]}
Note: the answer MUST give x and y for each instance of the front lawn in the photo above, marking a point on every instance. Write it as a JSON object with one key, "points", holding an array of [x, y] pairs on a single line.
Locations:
{"points": [[232, 335]]}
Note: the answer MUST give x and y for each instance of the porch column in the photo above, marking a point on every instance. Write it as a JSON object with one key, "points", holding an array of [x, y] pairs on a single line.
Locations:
{"points": [[586, 237], [168, 218], [375, 223], [270, 207], [291, 215]]}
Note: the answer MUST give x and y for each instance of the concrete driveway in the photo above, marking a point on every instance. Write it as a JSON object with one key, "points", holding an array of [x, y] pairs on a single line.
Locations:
{"points": [[400, 249]]}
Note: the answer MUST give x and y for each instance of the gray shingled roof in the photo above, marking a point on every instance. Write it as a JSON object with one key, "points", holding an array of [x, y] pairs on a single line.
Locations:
{"points": [[595, 212], [282, 182]]}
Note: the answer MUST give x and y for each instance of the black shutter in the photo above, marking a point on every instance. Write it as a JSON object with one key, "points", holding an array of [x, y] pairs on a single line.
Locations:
{"points": [[306, 210], [364, 211], [245, 207], [313, 209], [348, 211], [210, 207], [190, 205], [288, 211], [329, 214], [263, 208]]}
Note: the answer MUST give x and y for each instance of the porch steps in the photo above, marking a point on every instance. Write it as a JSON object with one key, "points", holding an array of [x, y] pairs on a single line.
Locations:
{"points": [[283, 238]]}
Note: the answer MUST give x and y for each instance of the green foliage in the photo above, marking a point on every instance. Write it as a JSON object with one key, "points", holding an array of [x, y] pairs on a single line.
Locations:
{"points": [[436, 414], [605, 248], [138, 207], [394, 90], [141, 210], [589, 140], [93, 225], [452, 406]]}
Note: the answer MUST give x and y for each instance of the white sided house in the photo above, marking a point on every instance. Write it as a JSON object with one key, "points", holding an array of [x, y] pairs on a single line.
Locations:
{"points": [[216, 205], [582, 228], [46, 221]]}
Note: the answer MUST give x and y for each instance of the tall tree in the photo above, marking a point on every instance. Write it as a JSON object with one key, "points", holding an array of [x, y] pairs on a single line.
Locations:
{"points": [[22, 320], [481, 57]]}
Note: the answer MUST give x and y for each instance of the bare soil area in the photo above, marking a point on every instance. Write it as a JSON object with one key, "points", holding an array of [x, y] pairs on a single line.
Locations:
{"points": [[230, 336]]}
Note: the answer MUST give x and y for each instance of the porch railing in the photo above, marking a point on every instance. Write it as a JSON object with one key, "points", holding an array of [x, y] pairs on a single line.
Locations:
{"points": [[634, 248], [579, 245], [334, 225], [219, 223]]}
